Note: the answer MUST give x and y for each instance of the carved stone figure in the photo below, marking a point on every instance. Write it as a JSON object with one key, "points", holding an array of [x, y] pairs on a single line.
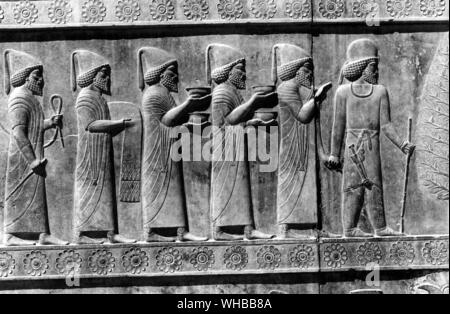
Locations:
{"points": [[26, 216], [230, 187], [95, 195], [361, 112], [296, 190], [163, 199]]}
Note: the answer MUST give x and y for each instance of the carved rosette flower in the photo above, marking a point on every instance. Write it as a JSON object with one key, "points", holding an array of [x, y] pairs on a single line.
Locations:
{"points": [[2, 14], [399, 8], [369, 253], [236, 258], [68, 262], [93, 11], [162, 10], [230, 9], [25, 12], [302, 256], [60, 11], [331, 9], [362, 8], [169, 260], [268, 257], [135, 261], [298, 8], [435, 252], [335, 255], [102, 262], [402, 253], [7, 264], [195, 9], [36, 263], [432, 8], [202, 258], [263, 9], [128, 10]]}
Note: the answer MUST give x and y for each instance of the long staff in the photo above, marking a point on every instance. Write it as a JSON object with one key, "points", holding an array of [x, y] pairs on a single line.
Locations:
{"points": [[405, 182]]}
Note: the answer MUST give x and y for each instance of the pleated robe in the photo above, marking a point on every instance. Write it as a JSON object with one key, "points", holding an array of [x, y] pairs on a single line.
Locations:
{"points": [[26, 209], [163, 201], [230, 183], [296, 188], [95, 199]]}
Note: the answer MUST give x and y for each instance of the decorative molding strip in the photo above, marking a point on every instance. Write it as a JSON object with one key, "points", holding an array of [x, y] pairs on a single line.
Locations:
{"points": [[23, 14], [222, 258]]}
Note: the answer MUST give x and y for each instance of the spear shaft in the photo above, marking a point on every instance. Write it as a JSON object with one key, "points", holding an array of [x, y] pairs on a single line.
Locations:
{"points": [[405, 182]]}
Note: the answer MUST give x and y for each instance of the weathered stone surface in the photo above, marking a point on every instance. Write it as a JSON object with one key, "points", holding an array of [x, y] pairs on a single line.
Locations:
{"points": [[300, 191]]}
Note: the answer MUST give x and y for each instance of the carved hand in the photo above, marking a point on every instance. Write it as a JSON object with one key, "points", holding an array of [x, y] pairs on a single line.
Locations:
{"points": [[199, 104], [56, 120], [321, 92], [264, 101], [38, 167], [408, 148], [333, 163], [127, 123]]}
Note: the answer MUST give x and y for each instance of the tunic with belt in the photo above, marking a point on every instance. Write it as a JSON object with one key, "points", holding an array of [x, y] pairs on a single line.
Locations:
{"points": [[358, 121], [296, 192], [162, 182], [95, 198], [230, 185], [26, 209]]}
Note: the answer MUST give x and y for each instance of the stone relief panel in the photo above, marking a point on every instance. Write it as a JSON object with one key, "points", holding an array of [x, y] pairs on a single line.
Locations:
{"points": [[346, 183]]}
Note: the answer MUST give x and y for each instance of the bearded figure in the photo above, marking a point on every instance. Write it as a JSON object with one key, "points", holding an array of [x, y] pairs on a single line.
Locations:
{"points": [[231, 206], [361, 112], [95, 211], [296, 206], [163, 199], [26, 216]]}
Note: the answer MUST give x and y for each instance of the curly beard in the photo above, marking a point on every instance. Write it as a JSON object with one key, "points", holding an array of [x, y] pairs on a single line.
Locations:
{"points": [[237, 78], [370, 77], [304, 79], [169, 83], [35, 86], [104, 85]]}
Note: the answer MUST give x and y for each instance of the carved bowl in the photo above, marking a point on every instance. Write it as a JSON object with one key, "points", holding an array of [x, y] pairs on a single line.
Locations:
{"points": [[265, 114], [198, 91], [263, 89]]}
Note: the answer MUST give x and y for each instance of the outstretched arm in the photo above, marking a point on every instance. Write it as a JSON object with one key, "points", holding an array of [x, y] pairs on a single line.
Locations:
{"points": [[244, 112], [388, 128], [180, 114], [339, 124]]}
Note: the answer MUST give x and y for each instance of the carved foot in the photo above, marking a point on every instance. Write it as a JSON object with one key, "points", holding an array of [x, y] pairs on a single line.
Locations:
{"points": [[223, 236], [326, 234], [289, 234], [48, 239], [187, 236], [153, 237], [117, 238], [387, 232], [10, 240], [357, 233], [87, 240], [257, 235]]}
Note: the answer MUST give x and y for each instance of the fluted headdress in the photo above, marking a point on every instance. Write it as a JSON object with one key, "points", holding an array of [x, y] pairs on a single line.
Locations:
{"points": [[18, 65], [291, 60], [89, 64], [156, 61], [220, 59]]}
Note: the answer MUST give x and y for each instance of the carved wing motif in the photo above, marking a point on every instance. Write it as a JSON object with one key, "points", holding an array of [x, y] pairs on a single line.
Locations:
{"points": [[433, 127]]}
